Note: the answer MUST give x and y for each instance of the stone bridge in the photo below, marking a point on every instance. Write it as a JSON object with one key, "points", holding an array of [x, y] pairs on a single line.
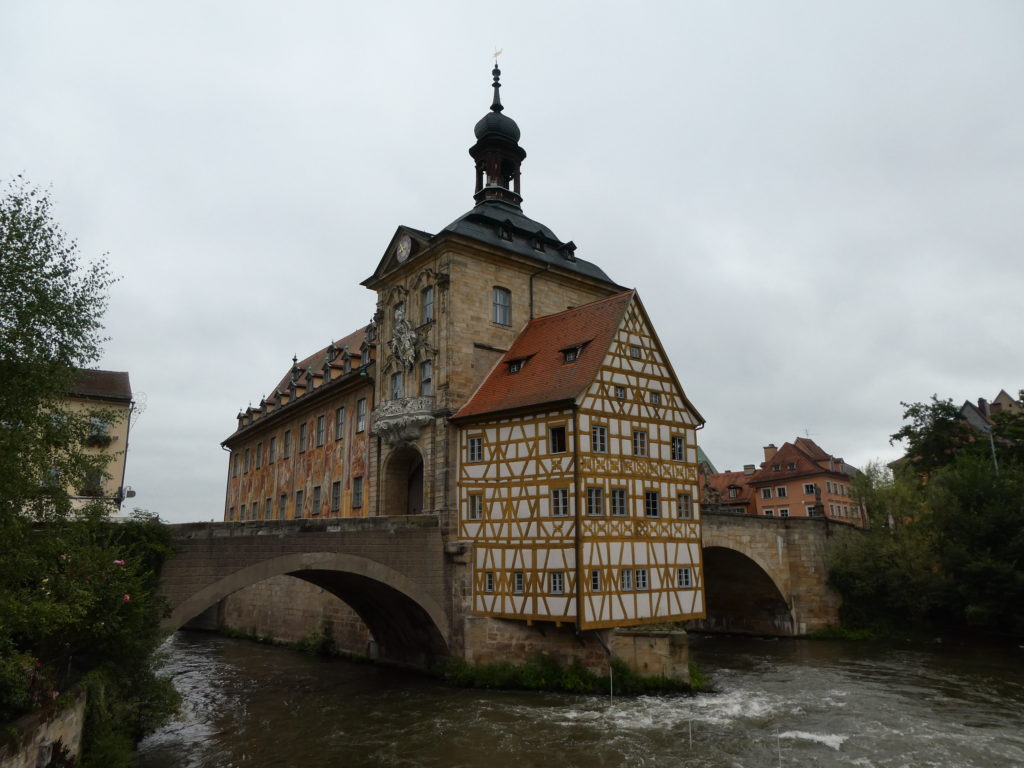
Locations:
{"points": [[392, 571], [768, 575]]}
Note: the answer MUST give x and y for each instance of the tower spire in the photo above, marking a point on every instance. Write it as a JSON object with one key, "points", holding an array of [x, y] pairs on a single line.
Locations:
{"points": [[497, 152]]}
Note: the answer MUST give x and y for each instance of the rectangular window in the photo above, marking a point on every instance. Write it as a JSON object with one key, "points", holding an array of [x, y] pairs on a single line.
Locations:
{"points": [[808, 489], [766, 493], [769, 513], [620, 393], [783, 513], [781, 492], [517, 582], [515, 366], [595, 581], [426, 378], [619, 502], [268, 509], [286, 449], [640, 578], [357, 492], [298, 504], [678, 448], [476, 506], [684, 505], [361, 414], [635, 352], [502, 310], [556, 440], [234, 472], [557, 583], [489, 581], [231, 513], [427, 305], [626, 579], [559, 502], [247, 460], [272, 454], [316, 501], [339, 423], [651, 504], [595, 501], [475, 449], [281, 504], [570, 355], [685, 580], [655, 398], [397, 386], [336, 496], [639, 442], [241, 515], [734, 492], [321, 429], [599, 439], [259, 455], [302, 437]]}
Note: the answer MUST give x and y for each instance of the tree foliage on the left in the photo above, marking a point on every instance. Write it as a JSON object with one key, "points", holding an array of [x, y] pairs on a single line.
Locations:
{"points": [[78, 596]]}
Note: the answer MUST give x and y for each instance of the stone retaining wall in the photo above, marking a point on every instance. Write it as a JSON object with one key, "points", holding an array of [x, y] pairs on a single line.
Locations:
{"points": [[37, 733]]}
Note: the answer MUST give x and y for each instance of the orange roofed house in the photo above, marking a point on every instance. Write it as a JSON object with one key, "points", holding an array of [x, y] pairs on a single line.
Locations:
{"points": [[516, 392], [797, 480]]}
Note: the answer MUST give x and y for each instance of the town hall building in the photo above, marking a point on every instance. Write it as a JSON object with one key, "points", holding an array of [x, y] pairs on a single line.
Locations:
{"points": [[515, 391]]}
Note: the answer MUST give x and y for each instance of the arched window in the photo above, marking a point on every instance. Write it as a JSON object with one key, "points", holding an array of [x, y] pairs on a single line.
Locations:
{"points": [[502, 313]]}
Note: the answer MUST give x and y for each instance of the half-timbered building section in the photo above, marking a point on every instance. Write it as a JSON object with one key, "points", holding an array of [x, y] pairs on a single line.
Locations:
{"points": [[303, 452], [578, 475]]}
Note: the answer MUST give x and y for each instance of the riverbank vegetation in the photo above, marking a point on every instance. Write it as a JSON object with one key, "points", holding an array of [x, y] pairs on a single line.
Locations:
{"points": [[945, 551], [78, 600]]}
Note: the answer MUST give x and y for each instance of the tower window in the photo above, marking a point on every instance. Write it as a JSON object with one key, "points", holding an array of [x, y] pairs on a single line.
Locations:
{"points": [[427, 304], [502, 309], [426, 378]]}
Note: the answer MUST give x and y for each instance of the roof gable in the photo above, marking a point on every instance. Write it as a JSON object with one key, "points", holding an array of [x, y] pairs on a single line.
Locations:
{"points": [[545, 376], [389, 261]]}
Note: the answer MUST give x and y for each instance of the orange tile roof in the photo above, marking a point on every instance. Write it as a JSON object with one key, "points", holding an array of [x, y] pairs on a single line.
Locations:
{"points": [[545, 376], [722, 481], [808, 457]]}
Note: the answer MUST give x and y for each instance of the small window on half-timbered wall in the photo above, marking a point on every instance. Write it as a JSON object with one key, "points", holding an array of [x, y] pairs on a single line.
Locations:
{"points": [[557, 582], [678, 448], [639, 442], [476, 506], [599, 438], [595, 501], [651, 507], [489, 581], [684, 506], [475, 449], [626, 579], [619, 502], [559, 502], [427, 304], [426, 378], [556, 440], [685, 578], [502, 306], [595, 581], [517, 582]]}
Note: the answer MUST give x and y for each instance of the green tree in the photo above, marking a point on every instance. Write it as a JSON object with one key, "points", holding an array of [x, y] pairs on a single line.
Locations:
{"points": [[934, 435], [77, 593]]}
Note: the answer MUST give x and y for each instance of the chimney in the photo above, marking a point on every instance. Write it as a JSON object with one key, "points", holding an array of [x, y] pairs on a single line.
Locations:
{"points": [[769, 451], [983, 406], [748, 469]]}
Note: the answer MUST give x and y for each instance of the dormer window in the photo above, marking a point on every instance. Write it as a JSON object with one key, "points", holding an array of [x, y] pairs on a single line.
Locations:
{"points": [[791, 465], [570, 355], [515, 366]]}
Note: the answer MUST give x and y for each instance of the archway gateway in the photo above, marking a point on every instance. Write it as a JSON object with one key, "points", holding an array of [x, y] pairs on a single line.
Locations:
{"points": [[403, 482]]}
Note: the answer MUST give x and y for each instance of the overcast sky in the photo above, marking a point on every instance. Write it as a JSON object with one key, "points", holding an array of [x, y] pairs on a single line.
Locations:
{"points": [[819, 203]]}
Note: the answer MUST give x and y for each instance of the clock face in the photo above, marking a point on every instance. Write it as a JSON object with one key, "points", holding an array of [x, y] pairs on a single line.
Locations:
{"points": [[403, 248]]}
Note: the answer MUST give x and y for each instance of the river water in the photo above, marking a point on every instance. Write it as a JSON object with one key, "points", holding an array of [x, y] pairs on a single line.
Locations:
{"points": [[776, 703]]}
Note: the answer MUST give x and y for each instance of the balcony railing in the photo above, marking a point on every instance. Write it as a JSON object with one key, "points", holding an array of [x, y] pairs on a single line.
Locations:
{"points": [[400, 420]]}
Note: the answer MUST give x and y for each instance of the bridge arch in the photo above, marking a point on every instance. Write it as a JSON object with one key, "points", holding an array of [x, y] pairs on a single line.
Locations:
{"points": [[409, 626], [743, 596]]}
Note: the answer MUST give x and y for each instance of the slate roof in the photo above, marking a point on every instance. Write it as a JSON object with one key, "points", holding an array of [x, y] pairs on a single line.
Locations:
{"points": [[545, 377], [102, 385], [484, 223]]}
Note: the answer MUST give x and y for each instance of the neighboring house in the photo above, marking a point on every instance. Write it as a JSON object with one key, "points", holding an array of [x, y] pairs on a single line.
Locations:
{"points": [[110, 392], [514, 390], [797, 480], [980, 416]]}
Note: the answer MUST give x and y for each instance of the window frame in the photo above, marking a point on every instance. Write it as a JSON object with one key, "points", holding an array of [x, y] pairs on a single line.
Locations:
{"points": [[357, 492], [321, 429], [640, 444], [598, 438], [501, 306], [678, 448], [640, 579], [361, 415], [556, 582], [558, 496], [619, 502], [595, 502], [336, 496], [684, 506], [474, 449], [427, 378], [427, 305], [563, 441], [475, 506], [652, 504], [339, 422], [684, 579]]}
